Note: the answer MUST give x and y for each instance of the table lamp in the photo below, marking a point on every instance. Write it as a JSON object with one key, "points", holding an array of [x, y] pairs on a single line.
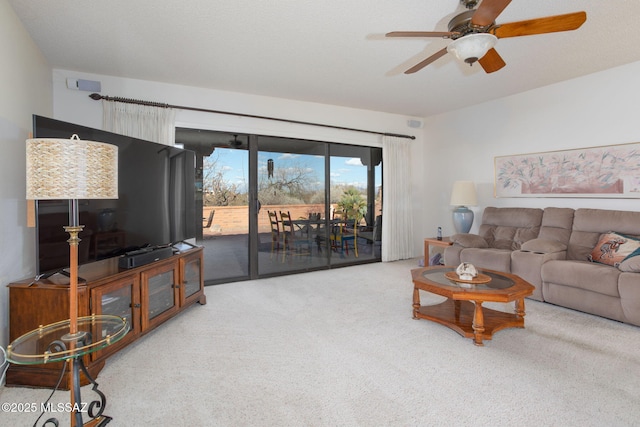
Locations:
{"points": [[463, 195], [71, 169]]}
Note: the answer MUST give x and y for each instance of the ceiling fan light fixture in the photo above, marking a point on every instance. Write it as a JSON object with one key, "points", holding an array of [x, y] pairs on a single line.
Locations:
{"points": [[472, 47]]}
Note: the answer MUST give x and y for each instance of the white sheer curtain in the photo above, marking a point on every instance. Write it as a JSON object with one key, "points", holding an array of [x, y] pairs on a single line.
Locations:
{"points": [[397, 213], [140, 121]]}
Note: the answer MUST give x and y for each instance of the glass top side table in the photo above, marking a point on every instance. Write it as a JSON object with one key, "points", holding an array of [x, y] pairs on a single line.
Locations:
{"points": [[55, 343]]}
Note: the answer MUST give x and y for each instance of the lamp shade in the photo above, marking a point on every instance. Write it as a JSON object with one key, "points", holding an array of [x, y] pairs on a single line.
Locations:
{"points": [[71, 169], [472, 47], [463, 194]]}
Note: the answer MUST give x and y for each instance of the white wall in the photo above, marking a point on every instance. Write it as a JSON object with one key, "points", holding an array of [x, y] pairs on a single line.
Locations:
{"points": [[25, 85], [594, 110], [76, 107]]}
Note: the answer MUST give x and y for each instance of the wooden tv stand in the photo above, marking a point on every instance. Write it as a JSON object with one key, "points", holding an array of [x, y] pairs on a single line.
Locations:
{"points": [[146, 296]]}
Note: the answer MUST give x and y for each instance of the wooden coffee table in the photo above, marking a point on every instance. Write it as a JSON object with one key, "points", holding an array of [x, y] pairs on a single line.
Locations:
{"points": [[463, 311]]}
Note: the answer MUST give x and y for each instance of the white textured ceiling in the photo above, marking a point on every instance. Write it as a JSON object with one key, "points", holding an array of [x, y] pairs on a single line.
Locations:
{"points": [[331, 51]]}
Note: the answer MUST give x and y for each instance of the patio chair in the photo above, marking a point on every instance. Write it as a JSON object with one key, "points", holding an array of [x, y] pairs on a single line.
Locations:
{"points": [[293, 240], [343, 231], [209, 220], [275, 231]]}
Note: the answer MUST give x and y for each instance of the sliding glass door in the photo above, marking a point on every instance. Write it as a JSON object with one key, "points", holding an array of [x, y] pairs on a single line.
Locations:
{"points": [[273, 205], [292, 233], [222, 178], [356, 203]]}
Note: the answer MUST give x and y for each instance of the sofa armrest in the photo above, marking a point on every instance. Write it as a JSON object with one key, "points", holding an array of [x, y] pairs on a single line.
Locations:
{"points": [[543, 246], [467, 240]]}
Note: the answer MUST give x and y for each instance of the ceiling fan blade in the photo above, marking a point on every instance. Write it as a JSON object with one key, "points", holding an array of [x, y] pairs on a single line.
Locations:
{"points": [[488, 11], [421, 34], [549, 24], [491, 61], [420, 65]]}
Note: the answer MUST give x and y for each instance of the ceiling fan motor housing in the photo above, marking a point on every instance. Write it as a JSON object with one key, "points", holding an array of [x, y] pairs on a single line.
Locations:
{"points": [[461, 25], [469, 4]]}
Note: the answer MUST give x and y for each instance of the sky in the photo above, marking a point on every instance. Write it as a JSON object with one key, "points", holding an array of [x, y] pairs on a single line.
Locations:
{"points": [[343, 170]]}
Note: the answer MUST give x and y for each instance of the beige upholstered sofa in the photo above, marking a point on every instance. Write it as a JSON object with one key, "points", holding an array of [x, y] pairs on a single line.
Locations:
{"points": [[568, 255]]}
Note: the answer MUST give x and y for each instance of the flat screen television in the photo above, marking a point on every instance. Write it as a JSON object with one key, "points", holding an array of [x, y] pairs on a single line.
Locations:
{"points": [[155, 205]]}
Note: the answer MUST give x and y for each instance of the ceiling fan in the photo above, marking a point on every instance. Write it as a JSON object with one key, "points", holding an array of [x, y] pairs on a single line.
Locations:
{"points": [[474, 33]]}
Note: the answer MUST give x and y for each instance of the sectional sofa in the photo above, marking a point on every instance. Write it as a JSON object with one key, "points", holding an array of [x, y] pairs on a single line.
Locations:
{"points": [[583, 259]]}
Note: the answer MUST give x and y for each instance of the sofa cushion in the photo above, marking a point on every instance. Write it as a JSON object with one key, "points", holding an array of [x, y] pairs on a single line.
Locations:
{"points": [[556, 224], [612, 248], [586, 275], [510, 238], [489, 258], [543, 246], [508, 228], [589, 224], [469, 240]]}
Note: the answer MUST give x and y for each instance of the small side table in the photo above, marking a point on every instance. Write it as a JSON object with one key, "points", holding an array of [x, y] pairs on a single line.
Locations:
{"points": [[432, 241], [54, 343]]}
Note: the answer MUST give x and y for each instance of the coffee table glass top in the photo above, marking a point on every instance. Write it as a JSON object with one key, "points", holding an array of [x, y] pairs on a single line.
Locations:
{"points": [[498, 281], [54, 343]]}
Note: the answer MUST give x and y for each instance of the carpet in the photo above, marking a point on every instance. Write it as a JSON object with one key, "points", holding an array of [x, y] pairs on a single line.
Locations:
{"points": [[340, 348]]}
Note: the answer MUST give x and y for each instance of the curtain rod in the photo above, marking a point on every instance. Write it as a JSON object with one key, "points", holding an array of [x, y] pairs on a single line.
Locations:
{"points": [[97, 97]]}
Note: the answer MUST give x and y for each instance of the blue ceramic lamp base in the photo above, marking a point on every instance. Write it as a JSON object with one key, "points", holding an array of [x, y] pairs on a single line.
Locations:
{"points": [[462, 219]]}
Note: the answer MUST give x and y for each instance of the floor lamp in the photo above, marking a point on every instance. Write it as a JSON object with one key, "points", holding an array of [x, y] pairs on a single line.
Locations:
{"points": [[71, 169]]}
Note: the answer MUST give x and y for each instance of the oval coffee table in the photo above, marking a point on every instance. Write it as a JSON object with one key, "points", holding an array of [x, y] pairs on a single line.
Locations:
{"points": [[463, 311]]}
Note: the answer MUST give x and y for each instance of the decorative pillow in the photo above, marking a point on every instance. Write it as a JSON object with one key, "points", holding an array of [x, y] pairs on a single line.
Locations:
{"points": [[613, 248], [631, 263]]}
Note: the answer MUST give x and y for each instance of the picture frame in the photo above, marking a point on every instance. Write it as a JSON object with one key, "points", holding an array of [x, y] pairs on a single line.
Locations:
{"points": [[610, 171]]}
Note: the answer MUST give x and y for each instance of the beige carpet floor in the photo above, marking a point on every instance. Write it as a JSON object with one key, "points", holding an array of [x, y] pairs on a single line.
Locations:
{"points": [[340, 348]]}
